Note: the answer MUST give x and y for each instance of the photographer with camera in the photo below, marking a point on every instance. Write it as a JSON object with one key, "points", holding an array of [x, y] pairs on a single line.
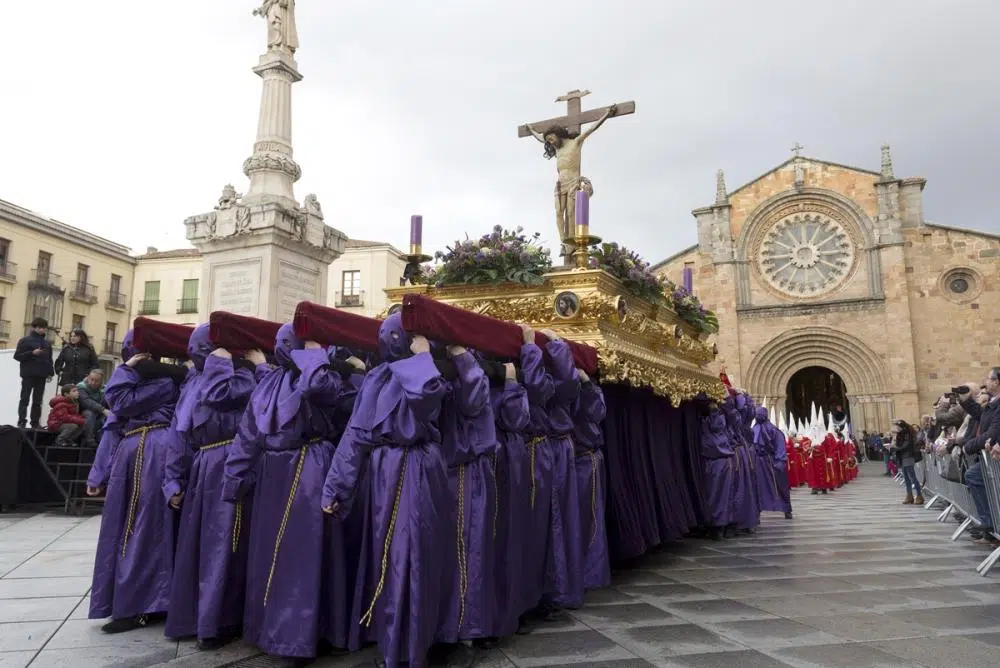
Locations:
{"points": [[949, 416], [986, 435]]}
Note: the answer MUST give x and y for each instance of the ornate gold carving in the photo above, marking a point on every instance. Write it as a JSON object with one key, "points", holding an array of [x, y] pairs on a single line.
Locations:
{"points": [[534, 310], [618, 367], [640, 349]]}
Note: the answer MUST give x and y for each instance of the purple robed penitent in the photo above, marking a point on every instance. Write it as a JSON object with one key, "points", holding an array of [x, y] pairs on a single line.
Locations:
{"points": [[746, 506], [296, 590], [719, 462], [206, 596], [588, 437], [772, 465], [563, 585], [510, 410], [540, 388], [469, 443], [134, 560], [390, 461]]}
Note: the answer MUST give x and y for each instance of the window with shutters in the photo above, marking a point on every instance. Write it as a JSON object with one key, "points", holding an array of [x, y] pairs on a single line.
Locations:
{"points": [[188, 302], [150, 303]]}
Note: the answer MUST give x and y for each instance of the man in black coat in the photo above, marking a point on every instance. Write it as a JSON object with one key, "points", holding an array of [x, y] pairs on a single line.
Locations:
{"points": [[34, 353], [987, 432]]}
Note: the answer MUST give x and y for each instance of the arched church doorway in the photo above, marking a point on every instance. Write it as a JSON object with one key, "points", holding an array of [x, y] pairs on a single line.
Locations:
{"points": [[817, 385]]}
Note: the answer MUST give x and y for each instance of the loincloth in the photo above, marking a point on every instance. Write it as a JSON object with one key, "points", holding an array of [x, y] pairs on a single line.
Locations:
{"points": [[572, 186]]}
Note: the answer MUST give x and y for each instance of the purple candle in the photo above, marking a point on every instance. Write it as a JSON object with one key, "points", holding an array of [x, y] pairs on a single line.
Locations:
{"points": [[687, 278], [416, 230], [582, 212]]}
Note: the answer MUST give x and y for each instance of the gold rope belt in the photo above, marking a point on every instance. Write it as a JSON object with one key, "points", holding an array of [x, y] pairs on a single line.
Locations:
{"points": [[593, 494], [531, 455], [238, 517], [217, 444], [366, 618], [463, 563], [300, 459], [496, 493], [140, 451]]}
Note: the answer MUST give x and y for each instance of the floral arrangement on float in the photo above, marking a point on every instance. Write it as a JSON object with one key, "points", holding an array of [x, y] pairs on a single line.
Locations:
{"points": [[690, 309], [629, 268], [637, 276], [503, 256]]}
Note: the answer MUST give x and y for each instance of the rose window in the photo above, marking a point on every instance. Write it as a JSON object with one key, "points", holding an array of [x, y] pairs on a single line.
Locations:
{"points": [[806, 254]]}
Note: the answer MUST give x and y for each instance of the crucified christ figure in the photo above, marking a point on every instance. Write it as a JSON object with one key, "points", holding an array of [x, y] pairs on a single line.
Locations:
{"points": [[565, 147]]}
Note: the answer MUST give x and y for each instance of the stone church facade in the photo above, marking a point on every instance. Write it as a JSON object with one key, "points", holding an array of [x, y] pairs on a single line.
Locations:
{"points": [[829, 285]]}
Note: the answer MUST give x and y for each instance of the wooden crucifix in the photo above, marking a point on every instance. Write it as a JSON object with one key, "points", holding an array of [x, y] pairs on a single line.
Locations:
{"points": [[563, 138]]}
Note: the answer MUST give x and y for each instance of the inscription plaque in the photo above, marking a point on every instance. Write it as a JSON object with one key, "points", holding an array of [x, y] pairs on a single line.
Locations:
{"points": [[295, 284], [236, 288]]}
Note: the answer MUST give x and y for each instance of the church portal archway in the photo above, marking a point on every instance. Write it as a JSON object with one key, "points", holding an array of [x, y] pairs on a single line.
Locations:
{"points": [[859, 368], [816, 385]]}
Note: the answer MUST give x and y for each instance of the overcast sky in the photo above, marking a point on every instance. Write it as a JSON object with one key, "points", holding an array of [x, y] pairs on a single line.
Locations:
{"points": [[125, 117]]}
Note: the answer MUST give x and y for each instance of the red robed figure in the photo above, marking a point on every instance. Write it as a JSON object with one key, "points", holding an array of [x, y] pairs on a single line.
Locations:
{"points": [[160, 339], [821, 471], [832, 448], [852, 461], [794, 464], [333, 327], [240, 333], [842, 457], [443, 322]]}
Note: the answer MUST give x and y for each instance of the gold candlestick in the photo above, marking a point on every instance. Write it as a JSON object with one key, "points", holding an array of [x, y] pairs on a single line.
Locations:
{"points": [[582, 240], [413, 261]]}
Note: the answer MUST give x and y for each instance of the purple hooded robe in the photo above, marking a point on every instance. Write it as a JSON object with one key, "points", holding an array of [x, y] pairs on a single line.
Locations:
{"points": [[206, 596], [588, 437], [772, 465], [390, 459], [719, 462], [746, 507], [540, 388], [135, 549], [296, 590], [558, 515], [469, 443], [511, 413]]}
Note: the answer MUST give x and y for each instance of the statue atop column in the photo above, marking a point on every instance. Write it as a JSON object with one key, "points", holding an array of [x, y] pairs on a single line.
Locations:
{"points": [[280, 17]]}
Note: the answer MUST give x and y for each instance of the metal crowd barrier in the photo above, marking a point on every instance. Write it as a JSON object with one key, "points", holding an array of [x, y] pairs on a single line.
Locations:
{"points": [[991, 476], [956, 494]]}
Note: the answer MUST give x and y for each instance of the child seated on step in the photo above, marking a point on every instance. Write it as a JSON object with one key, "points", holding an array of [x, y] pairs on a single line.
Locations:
{"points": [[64, 416]]}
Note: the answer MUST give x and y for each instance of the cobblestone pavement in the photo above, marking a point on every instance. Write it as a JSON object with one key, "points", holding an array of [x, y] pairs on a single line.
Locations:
{"points": [[854, 580]]}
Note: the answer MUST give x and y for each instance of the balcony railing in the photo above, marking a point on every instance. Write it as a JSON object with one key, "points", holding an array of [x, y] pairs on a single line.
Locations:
{"points": [[349, 300], [4, 330], [83, 292], [149, 307], [8, 271], [42, 278], [117, 300], [112, 347], [189, 305]]}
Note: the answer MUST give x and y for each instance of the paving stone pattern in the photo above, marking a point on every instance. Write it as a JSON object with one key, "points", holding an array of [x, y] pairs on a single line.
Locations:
{"points": [[854, 580]]}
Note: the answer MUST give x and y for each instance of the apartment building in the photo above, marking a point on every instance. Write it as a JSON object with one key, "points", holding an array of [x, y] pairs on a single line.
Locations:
{"points": [[70, 277]]}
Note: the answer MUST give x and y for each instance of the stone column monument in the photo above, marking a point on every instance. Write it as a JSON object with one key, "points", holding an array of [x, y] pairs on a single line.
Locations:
{"points": [[262, 252]]}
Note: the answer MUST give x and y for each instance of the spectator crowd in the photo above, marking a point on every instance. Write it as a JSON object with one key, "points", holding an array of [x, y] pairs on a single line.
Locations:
{"points": [[77, 412], [962, 431]]}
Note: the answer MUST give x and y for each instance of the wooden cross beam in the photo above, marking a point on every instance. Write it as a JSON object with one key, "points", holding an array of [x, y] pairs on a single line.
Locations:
{"points": [[575, 117]]}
